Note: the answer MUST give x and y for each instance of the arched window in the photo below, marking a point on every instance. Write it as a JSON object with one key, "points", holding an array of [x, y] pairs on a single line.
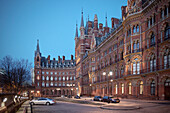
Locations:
{"points": [[116, 88], [63, 78], [51, 78], [152, 63], [167, 32], [130, 88], [43, 78], [47, 78], [152, 40], [166, 59], [134, 29], [141, 88], [137, 45], [37, 59], [122, 70], [152, 85], [136, 66], [134, 46], [122, 85], [137, 28]]}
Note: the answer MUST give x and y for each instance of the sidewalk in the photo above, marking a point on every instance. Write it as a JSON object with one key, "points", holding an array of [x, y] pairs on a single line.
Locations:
{"points": [[25, 105]]}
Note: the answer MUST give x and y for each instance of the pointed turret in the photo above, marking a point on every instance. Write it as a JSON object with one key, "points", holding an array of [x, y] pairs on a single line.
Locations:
{"points": [[76, 35], [82, 21], [106, 21], [37, 49], [82, 25], [106, 28]]}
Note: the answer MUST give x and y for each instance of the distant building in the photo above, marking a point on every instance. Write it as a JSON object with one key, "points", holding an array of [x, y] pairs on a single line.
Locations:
{"points": [[132, 58], [53, 77]]}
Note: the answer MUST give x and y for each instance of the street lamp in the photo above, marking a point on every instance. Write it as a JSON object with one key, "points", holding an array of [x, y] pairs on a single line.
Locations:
{"points": [[104, 73]]}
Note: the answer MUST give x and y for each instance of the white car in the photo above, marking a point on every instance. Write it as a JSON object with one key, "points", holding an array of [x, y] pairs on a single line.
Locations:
{"points": [[46, 101]]}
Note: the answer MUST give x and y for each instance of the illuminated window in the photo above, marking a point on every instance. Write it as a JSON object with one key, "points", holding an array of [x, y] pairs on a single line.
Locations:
{"points": [[55, 73], [55, 78], [130, 88], [51, 78], [43, 78], [43, 84], [47, 72], [51, 84], [116, 88], [122, 88], [47, 84], [51, 73], [63, 78], [47, 78], [38, 78], [42, 72], [141, 87], [59, 78]]}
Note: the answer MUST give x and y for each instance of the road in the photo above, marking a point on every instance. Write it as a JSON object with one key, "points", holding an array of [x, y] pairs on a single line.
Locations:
{"points": [[68, 107]]}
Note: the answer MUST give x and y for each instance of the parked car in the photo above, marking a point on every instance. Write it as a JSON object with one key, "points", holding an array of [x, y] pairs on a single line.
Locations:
{"points": [[110, 99], [69, 96], [97, 98], [77, 97], [46, 101]]}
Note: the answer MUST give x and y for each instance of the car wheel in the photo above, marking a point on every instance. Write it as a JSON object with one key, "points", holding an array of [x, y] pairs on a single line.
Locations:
{"points": [[47, 103], [32, 103]]}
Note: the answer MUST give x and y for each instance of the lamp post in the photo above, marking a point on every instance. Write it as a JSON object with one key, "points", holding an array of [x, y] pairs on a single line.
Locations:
{"points": [[90, 90], [104, 73]]}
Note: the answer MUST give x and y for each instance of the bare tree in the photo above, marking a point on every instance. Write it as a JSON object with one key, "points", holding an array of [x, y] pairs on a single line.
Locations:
{"points": [[17, 72]]}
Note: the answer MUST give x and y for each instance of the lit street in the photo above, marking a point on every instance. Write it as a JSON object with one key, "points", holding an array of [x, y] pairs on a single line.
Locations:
{"points": [[68, 107]]}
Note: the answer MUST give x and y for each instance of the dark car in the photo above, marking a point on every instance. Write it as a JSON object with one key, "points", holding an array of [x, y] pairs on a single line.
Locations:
{"points": [[110, 99], [69, 96], [77, 97], [97, 98]]}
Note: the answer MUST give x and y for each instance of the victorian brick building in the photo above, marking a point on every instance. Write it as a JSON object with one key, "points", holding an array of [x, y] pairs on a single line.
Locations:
{"points": [[132, 58], [53, 77]]}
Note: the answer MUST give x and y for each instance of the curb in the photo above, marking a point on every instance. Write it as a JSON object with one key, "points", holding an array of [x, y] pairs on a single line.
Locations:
{"points": [[112, 108]]}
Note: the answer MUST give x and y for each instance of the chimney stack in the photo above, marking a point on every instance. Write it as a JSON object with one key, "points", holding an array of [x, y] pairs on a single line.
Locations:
{"points": [[100, 26], [48, 58], [114, 21], [63, 58], [71, 57], [58, 58]]}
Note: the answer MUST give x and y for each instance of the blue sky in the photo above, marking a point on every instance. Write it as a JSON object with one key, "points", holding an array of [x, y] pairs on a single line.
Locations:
{"points": [[53, 22]]}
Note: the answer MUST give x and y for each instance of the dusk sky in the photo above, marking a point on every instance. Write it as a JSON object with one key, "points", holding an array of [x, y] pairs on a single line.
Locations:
{"points": [[53, 22]]}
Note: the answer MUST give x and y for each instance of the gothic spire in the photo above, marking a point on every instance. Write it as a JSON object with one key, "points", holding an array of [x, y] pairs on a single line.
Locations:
{"points": [[82, 22], [106, 21], [38, 49], [76, 35]]}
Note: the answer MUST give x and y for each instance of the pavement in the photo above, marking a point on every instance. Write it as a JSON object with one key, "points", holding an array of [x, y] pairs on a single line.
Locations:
{"points": [[124, 105], [25, 107]]}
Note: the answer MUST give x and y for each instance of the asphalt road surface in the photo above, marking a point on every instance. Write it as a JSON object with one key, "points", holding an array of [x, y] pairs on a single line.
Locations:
{"points": [[68, 107]]}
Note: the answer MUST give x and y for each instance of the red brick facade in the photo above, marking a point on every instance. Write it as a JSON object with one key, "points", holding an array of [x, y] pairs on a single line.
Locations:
{"points": [[53, 77], [131, 59]]}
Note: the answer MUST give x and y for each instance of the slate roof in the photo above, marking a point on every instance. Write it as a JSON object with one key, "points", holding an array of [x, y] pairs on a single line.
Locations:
{"points": [[56, 64]]}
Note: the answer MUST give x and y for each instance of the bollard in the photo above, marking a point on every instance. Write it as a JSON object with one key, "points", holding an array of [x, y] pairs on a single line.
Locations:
{"points": [[31, 108]]}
